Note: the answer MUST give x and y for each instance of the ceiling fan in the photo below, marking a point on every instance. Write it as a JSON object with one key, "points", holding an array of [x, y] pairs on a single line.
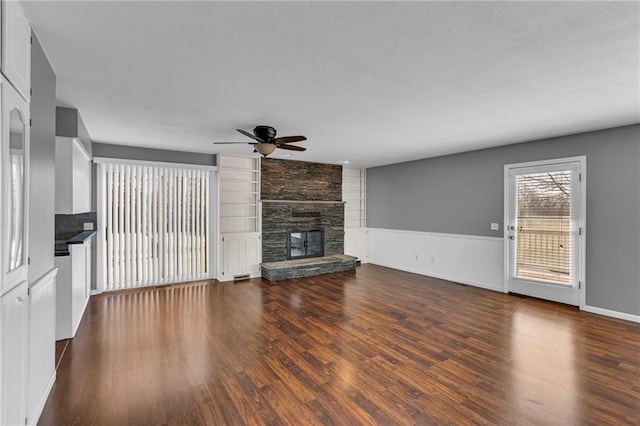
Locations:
{"points": [[266, 141]]}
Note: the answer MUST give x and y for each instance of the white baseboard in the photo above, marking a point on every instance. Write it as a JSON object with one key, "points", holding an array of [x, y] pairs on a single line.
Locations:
{"points": [[467, 259], [35, 416], [609, 313]]}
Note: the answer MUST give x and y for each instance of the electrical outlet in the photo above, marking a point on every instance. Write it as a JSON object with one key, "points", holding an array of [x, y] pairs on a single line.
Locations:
{"points": [[88, 226], [495, 226]]}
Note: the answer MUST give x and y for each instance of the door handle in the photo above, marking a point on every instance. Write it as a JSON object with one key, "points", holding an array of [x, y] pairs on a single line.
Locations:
{"points": [[511, 237]]}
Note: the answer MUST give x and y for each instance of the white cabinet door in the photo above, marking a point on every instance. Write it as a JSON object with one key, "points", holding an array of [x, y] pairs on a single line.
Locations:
{"points": [[241, 255], [42, 336], [253, 253], [232, 261], [14, 355], [78, 284], [87, 279], [16, 47], [72, 289], [73, 177], [355, 243], [15, 187], [81, 179]]}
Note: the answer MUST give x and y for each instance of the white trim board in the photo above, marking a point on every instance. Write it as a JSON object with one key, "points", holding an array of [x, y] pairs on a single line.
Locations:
{"points": [[106, 160], [466, 259], [609, 313]]}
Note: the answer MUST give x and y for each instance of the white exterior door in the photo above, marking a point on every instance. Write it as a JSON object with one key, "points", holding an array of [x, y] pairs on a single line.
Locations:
{"points": [[544, 229]]}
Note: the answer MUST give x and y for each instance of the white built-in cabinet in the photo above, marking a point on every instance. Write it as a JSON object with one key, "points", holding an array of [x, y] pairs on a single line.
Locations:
{"points": [[73, 288], [354, 191], [14, 304], [16, 47], [27, 310], [14, 254], [73, 176], [241, 254], [239, 216]]}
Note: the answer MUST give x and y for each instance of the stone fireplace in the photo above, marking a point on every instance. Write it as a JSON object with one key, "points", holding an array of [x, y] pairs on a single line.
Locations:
{"points": [[298, 195], [302, 218]]}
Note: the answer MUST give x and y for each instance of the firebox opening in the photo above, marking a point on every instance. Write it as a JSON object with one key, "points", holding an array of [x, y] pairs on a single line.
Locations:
{"points": [[303, 243]]}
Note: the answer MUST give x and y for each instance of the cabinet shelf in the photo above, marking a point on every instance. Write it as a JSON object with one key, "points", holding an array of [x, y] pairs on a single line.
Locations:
{"points": [[238, 169], [238, 204], [239, 180], [239, 192]]}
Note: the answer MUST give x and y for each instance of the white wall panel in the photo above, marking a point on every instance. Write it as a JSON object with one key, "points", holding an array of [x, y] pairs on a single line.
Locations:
{"points": [[466, 259]]}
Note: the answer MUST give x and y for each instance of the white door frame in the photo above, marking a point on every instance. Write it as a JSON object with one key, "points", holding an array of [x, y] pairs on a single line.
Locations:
{"points": [[582, 160]]}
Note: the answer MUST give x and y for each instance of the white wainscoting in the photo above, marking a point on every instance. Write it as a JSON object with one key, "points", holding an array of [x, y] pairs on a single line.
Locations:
{"points": [[466, 259]]}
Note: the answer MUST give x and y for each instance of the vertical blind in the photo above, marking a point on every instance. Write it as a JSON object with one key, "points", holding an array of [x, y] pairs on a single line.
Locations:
{"points": [[545, 233], [157, 224]]}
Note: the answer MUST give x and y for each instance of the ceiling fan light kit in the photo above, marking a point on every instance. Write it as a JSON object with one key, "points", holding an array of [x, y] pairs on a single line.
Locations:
{"points": [[266, 141], [265, 148]]}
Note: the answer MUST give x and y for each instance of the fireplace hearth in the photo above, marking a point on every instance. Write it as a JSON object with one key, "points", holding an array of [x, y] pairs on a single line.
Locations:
{"points": [[305, 243]]}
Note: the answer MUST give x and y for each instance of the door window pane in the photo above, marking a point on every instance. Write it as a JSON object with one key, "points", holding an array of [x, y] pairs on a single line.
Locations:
{"points": [[544, 227]]}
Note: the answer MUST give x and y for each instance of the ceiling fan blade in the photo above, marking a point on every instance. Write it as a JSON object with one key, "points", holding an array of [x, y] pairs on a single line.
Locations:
{"points": [[229, 143], [291, 147], [290, 139], [249, 135]]}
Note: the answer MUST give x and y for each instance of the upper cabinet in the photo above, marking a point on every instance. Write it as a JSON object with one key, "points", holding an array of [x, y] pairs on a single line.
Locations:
{"points": [[16, 47], [15, 170], [73, 177]]}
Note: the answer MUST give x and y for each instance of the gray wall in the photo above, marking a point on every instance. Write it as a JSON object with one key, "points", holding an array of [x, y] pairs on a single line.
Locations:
{"points": [[150, 154], [42, 171], [463, 193], [69, 123], [66, 122]]}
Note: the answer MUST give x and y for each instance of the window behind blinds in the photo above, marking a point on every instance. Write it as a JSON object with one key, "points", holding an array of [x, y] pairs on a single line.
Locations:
{"points": [[156, 225], [545, 230]]}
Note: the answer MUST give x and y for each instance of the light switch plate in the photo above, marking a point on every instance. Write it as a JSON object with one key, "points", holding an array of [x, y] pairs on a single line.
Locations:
{"points": [[88, 226], [495, 226]]}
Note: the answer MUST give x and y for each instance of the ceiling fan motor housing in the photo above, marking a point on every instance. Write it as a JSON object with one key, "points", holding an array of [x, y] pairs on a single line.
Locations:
{"points": [[266, 133]]}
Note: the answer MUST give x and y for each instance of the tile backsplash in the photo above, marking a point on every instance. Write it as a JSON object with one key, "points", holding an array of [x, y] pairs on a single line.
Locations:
{"points": [[68, 225]]}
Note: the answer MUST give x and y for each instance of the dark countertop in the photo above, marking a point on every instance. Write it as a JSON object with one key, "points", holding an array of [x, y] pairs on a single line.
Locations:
{"points": [[62, 244]]}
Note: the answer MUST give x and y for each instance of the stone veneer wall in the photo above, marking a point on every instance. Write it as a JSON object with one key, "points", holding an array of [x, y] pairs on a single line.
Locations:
{"points": [[300, 181], [298, 194]]}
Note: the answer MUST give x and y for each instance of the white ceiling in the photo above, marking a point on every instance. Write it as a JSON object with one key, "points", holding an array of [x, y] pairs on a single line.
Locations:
{"points": [[374, 83]]}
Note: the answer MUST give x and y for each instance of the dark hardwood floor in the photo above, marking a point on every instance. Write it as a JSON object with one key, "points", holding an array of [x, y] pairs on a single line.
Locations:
{"points": [[377, 346]]}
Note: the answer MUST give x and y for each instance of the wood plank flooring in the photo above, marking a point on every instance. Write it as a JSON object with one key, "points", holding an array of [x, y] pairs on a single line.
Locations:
{"points": [[375, 346]]}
